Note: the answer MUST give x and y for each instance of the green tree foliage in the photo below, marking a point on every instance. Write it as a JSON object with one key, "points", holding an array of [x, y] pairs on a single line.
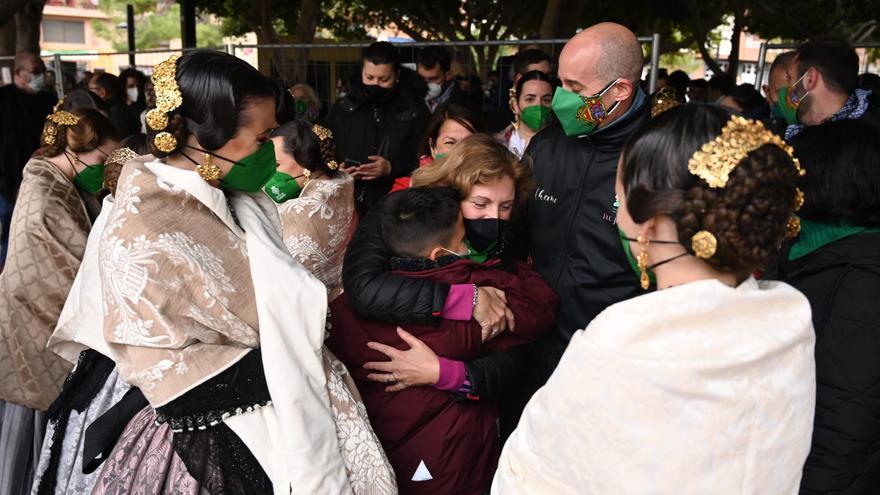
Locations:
{"points": [[156, 22]]}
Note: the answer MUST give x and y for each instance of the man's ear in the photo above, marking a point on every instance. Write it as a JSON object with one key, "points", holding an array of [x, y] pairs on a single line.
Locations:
{"points": [[623, 89], [811, 81]]}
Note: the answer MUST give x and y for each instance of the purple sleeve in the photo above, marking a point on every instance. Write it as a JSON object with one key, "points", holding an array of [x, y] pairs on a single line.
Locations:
{"points": [[459, 304], [452, 375]]}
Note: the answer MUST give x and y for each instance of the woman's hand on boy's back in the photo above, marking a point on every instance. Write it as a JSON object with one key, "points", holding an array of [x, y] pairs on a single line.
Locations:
{"points": [[416, 366]]}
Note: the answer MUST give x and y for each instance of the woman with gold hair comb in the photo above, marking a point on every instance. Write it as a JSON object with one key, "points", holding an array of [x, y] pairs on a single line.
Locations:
{"points": [[707, 384], [54, 211], [206, 313]]}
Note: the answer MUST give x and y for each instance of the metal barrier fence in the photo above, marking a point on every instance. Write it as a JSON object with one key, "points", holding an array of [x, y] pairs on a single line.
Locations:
{"points": [[766, 47], [328, 67]]}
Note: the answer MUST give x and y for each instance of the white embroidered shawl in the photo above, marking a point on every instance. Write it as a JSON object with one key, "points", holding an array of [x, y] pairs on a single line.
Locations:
{"points": [[298, 430], [317, 225], [695, 389]]}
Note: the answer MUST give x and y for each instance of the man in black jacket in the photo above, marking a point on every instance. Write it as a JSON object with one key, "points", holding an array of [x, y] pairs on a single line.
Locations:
{"points": [[379, 125], [109, 88], [573, 237], [435, 67]]}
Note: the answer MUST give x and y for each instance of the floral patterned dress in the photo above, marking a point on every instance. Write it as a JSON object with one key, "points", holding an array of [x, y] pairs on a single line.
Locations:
{"points": [[316, 228], [180, 305]]}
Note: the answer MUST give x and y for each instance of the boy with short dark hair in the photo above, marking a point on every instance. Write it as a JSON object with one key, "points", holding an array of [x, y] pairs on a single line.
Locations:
{"points": [[437, 442]]}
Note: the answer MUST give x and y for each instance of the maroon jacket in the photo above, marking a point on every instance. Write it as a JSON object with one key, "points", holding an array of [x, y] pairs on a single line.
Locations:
{"points": [[456, 439]]}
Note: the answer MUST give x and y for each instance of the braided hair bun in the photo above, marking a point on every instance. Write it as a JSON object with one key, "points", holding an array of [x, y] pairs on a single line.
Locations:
{"points": [[91, 129], [748, 215], [312, 152]]}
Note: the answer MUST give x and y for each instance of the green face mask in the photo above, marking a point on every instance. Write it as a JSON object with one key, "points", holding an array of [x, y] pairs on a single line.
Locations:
{"points": [[252, 172], [91, 178], [788, 102], [536, 117], [301, 106], [474, 255], [440, 155], [580, 115], [282, 187]]}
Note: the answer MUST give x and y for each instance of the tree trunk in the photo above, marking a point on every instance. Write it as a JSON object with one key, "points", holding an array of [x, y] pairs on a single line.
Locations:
{"points": [[561, 18], [266, 35], [733, 59], [27, 22], [309, 13], [8, 9]]}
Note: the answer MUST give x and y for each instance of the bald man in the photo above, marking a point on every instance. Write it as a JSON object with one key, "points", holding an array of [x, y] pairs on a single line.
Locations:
{"points": [[573, 238]]}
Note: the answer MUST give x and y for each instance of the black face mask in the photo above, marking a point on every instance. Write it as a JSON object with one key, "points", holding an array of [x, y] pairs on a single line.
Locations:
{"points": [[484, 233], [376, 93]]}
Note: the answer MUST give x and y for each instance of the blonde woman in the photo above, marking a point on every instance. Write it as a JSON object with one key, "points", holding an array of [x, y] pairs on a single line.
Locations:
{"points": [[493, 183]]}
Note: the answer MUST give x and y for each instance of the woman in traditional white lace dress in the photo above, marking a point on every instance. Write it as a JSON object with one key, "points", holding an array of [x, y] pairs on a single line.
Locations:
{"points": [[210, 317], [315, 200], [706, 385], [315, 203]]}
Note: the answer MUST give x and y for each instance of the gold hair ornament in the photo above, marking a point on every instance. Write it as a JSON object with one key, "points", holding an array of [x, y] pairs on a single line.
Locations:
{"points": [[120, 156], [715, 160], [168, 99], [324, 134], [165, 142], [704, 244], [663, 100], [798, 199], [55, 121]]}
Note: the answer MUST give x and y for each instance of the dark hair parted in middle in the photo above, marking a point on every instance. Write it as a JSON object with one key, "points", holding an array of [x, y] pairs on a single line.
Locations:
{"points": [[748, 216], [309, 151], [418, 219], [842, 183], [533, 75], [450, 111], [216, 87]]}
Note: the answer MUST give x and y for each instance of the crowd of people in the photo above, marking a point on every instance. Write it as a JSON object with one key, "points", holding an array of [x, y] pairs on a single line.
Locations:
{"points": [[214, 285]]}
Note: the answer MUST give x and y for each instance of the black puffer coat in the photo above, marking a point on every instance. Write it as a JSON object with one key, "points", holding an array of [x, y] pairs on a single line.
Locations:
{"points": [[842, 282], [573, 238], [392, 128]]}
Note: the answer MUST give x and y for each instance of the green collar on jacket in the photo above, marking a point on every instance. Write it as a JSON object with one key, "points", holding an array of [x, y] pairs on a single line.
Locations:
{"points": [[814, 235]]}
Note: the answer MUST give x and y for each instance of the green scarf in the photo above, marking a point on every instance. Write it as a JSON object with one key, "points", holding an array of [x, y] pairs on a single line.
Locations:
{"points": [[814, 235]]}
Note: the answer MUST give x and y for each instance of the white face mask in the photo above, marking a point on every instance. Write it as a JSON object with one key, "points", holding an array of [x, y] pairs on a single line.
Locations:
{"points": [[38, 83], [434, 91], [132, 94]]}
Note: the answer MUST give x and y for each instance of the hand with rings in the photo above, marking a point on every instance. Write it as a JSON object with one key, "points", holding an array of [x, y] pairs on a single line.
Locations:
{"points": [[416, 366]]}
